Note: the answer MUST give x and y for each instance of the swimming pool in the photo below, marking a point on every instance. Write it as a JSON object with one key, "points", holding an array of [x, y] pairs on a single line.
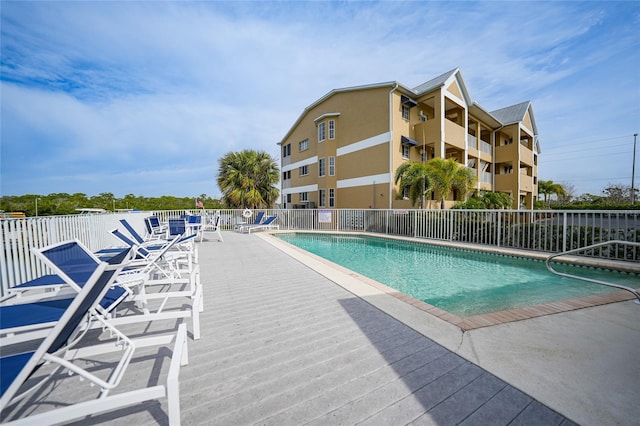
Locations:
{"points": [[462, 282]]}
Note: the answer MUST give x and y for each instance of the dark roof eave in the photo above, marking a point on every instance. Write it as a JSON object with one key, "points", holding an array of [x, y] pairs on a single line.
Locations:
{"points": [[486, 116]]}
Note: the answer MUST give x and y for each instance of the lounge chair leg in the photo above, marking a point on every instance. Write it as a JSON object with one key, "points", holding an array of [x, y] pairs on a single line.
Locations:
{"points": [[195, 313], [173, 380]]}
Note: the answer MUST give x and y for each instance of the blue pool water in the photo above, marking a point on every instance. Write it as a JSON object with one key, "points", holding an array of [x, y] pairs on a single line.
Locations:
{"points": [[462, 282]]}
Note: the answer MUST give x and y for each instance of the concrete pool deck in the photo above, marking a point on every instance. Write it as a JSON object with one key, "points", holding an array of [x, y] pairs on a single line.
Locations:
{"points": [[582, 363], [286, 341]]}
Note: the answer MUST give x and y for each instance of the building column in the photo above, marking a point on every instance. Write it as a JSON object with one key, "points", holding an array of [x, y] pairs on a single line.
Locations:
{"points": [[438, 109]]}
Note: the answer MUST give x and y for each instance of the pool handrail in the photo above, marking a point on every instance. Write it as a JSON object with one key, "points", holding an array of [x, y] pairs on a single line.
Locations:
{"points": [[547, 262]]}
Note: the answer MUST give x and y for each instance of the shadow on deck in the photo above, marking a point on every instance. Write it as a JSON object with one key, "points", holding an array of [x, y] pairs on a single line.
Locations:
{"points": [[283, 345]]}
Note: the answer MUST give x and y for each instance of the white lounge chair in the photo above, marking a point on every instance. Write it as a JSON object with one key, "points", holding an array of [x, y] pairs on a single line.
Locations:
{"points": [[212, 226], [73, 263], [267, 224], [60, 349]]}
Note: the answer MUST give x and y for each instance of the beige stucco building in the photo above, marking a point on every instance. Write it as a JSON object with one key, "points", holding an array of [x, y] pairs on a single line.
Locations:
{"points": [[343, 150]]}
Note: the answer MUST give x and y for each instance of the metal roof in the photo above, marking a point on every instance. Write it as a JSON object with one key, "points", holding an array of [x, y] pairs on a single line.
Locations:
{"points": [[512, 114], [434, 82]]}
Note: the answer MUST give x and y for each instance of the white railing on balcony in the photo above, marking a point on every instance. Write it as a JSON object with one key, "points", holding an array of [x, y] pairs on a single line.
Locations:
{"points": [[486, 147], [485, 177], [543, 231], [472, 142]]}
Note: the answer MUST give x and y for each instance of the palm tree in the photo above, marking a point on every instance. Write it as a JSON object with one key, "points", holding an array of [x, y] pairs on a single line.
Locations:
{"points": [[414, 176], [247, 179], [446, 175], [548, 188], [496, 200]]}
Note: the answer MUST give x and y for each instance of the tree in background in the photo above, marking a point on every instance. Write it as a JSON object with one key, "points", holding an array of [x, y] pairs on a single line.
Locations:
{"points": [[413, 175], [569, 192], [446, 175], [618, 194], [66, 204], [548, 188], [247, 179]]}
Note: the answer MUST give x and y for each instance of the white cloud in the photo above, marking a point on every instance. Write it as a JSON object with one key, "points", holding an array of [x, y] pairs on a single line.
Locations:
{"points": [[146, 95]]}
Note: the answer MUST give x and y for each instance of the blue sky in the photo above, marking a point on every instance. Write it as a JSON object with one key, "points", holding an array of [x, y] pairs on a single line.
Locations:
{"points": [[143, 98]]}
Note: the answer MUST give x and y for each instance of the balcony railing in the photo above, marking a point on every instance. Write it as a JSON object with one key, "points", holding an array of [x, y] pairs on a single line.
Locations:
{"points": [[486, 147], [542, 231], [472, 142]]}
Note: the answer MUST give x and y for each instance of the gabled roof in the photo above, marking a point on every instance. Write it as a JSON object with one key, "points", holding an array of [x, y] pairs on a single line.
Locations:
{"points": [[515, 114], [512, 114], [444, 80], [434, 83]]}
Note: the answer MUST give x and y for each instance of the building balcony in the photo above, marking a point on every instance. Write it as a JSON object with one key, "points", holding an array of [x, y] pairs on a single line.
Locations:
{"points": [[427, 132], [526, 183], [472, 142], [526, 156], [506, 182], [507, 153], [454, 134]]}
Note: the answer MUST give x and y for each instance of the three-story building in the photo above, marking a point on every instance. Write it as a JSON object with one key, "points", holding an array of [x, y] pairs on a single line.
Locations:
{"points": [[344, 149]]}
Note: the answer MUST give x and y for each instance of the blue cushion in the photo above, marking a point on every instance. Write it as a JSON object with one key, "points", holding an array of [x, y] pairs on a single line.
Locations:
{"points": [[10, 367], [73, 260], [113, 295], [32, 313], [44, 280]]}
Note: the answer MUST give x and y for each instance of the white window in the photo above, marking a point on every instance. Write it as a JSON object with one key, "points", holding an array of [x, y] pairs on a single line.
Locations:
{"points": [[332, 197], [321, 167], [405, 151], [322, 131], [304, 196], [332, 129], [405, 112], [286, 150], [332, 166], [304, 145], [322, 194], [288, 198], [304, 170]]}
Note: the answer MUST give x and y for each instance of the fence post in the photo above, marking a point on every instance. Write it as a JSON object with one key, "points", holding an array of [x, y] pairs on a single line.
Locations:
{"points": [[386, 222], [499, 235], [564, 231]]}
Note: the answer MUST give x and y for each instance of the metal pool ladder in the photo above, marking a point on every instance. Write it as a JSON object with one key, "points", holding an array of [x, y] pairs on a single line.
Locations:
{"points": [[635, 292]]}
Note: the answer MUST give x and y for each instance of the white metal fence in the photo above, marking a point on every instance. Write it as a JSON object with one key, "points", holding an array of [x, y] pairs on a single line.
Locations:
{"points": [[546, 231]]}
